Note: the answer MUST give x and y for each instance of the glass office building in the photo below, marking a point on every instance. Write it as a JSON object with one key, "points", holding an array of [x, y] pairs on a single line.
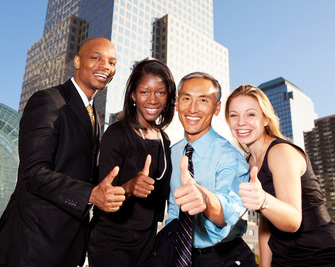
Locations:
{"points": [[9, 157], [293, 107], [177, 32], [320, 147]]}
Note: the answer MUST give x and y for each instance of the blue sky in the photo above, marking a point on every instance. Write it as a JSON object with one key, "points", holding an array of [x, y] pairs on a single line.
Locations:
{"points": [[293, 39]]}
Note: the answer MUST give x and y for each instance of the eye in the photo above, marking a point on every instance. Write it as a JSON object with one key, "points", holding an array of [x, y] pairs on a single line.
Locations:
{"points": [[203, 100], [144, 93], [112, 63], [251, 115], [161, 93], [232, 115]]}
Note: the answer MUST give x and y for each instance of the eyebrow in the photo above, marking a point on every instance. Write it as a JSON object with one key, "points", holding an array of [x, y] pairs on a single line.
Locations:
{"points": [[200, 96], [98, 53]]}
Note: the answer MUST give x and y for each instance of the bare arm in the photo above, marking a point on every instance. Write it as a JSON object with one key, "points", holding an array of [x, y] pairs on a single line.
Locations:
{"points": [[213, 211], [284, 211], [286, 164]]}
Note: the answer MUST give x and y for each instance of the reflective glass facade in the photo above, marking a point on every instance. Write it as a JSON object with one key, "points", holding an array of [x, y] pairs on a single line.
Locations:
{"points": [[9, 158], [294, 109], [180, 33]]}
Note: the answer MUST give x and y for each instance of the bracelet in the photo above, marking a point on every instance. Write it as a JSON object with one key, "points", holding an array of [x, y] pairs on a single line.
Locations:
{"points": [[265, 202]]}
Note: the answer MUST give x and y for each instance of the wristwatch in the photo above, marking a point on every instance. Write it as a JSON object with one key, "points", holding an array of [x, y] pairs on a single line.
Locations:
{"points": [[265, 202]]}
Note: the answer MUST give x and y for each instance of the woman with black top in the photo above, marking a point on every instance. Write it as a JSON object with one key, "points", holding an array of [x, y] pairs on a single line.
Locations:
{"points": [[295, 228], [139, 146]]}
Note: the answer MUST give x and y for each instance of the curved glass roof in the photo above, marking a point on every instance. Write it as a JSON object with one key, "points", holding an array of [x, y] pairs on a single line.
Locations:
{"points": [[9, 157]]}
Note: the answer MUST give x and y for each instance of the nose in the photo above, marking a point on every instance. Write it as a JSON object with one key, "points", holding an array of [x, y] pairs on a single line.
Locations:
{"points": [[152, 98], [193, 106], [241, 120], [104, 64]]}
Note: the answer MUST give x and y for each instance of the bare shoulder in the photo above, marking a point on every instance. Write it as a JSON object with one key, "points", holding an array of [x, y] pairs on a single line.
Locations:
{"points": [[286, 156]]}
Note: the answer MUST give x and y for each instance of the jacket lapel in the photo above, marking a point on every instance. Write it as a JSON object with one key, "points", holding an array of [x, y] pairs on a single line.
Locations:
{"points": [[77, 106]]}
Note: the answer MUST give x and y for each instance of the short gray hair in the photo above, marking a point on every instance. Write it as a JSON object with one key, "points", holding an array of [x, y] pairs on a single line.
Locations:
{"points": [[205, 76]]}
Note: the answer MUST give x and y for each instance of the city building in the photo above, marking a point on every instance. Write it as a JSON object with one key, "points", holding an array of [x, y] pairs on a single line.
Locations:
{"points": [[320, 147], [293, 107], [179, 33], [9, 157]]}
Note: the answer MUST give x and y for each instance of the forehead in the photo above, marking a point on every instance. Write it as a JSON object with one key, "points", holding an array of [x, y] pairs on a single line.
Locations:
{"points": [[150, 80], [244, 102], [198, 87], [98, 46]]}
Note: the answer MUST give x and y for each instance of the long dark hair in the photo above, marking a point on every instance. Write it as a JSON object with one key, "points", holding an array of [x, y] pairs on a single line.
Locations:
{"points": [[156, 68]]}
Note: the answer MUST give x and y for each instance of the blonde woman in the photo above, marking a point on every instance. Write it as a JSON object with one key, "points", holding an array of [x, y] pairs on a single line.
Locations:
{"points": [[295, 228]]}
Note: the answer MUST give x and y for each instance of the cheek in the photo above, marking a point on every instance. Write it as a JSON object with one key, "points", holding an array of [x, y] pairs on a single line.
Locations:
{"points": [[164, 100]]}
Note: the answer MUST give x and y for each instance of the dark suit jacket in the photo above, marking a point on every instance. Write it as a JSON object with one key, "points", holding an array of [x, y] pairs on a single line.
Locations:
{"points": [[46, 221]]}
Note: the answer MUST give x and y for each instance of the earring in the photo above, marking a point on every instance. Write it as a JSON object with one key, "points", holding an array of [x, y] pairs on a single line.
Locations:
{"points": [[134, 104]]}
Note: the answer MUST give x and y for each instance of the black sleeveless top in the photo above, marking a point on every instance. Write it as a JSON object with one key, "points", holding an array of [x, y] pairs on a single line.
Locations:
{"points": [[314, 243]]}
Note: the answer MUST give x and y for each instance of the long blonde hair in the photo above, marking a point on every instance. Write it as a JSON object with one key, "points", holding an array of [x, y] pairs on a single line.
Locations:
{"points": [[272, 129]]}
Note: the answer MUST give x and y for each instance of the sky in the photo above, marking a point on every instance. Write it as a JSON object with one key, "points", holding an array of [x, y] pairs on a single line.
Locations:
{"points": [[266, 39]]}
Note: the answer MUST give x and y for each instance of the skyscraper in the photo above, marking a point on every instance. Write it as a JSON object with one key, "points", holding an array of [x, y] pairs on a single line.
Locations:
{"points": [[320, 147], [179, 33], [293, 107]]}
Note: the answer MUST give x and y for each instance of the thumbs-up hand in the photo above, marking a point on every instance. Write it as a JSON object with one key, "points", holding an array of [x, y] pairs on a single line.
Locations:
{"points": [[252, 193], [189, 196], [106, 197], [142, 185]]}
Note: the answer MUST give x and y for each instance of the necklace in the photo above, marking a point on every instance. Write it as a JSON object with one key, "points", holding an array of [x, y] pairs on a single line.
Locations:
{"points": [[165, 161]]}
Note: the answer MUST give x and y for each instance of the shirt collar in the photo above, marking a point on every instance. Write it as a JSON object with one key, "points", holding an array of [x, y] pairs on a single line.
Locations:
{"points": [[201, 145], [82, 95]]}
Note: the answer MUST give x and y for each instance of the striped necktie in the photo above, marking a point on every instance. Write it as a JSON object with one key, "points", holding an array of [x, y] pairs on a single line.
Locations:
{"points": [[90, 113], [184, 237]]}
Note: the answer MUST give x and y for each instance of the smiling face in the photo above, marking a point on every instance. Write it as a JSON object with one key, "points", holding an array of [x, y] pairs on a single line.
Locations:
{"points": [[196, 106], [246, 120], [150, 97], [95, 65]]}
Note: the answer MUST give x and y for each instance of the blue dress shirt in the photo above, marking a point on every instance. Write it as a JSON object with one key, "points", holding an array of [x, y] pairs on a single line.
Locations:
{"points": [[219, 167]]}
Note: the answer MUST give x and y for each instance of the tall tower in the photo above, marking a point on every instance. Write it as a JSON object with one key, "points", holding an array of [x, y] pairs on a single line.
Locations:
{"points": [[294, 109], [320, 147], [179, 33]]}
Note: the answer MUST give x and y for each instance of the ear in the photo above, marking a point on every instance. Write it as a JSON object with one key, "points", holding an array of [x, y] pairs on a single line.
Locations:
{"points": [[217, 108], [176, 104], [266, 121], [76, 62], [133, 96]]}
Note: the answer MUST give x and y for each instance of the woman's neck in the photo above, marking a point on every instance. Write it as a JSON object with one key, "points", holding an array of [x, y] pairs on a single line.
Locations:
{"points": [[258, 150], [149, 133]]}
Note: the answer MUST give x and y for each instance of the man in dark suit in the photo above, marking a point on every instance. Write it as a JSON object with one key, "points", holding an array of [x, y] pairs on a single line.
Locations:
{"points": [[46, 220]]}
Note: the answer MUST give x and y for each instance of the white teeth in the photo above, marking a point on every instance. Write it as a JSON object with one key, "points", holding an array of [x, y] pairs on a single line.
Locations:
{"points": [[192, 118], [243, 131], [101, 75], [151, 109]]}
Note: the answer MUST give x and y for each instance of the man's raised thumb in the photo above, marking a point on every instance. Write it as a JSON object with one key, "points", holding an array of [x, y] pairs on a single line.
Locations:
{"points": [[110, 177], [185, 175], [253, 175]]}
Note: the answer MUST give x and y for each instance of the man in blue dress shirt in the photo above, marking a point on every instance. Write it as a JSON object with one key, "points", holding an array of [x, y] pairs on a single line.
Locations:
{"points": [[212, 196]]}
